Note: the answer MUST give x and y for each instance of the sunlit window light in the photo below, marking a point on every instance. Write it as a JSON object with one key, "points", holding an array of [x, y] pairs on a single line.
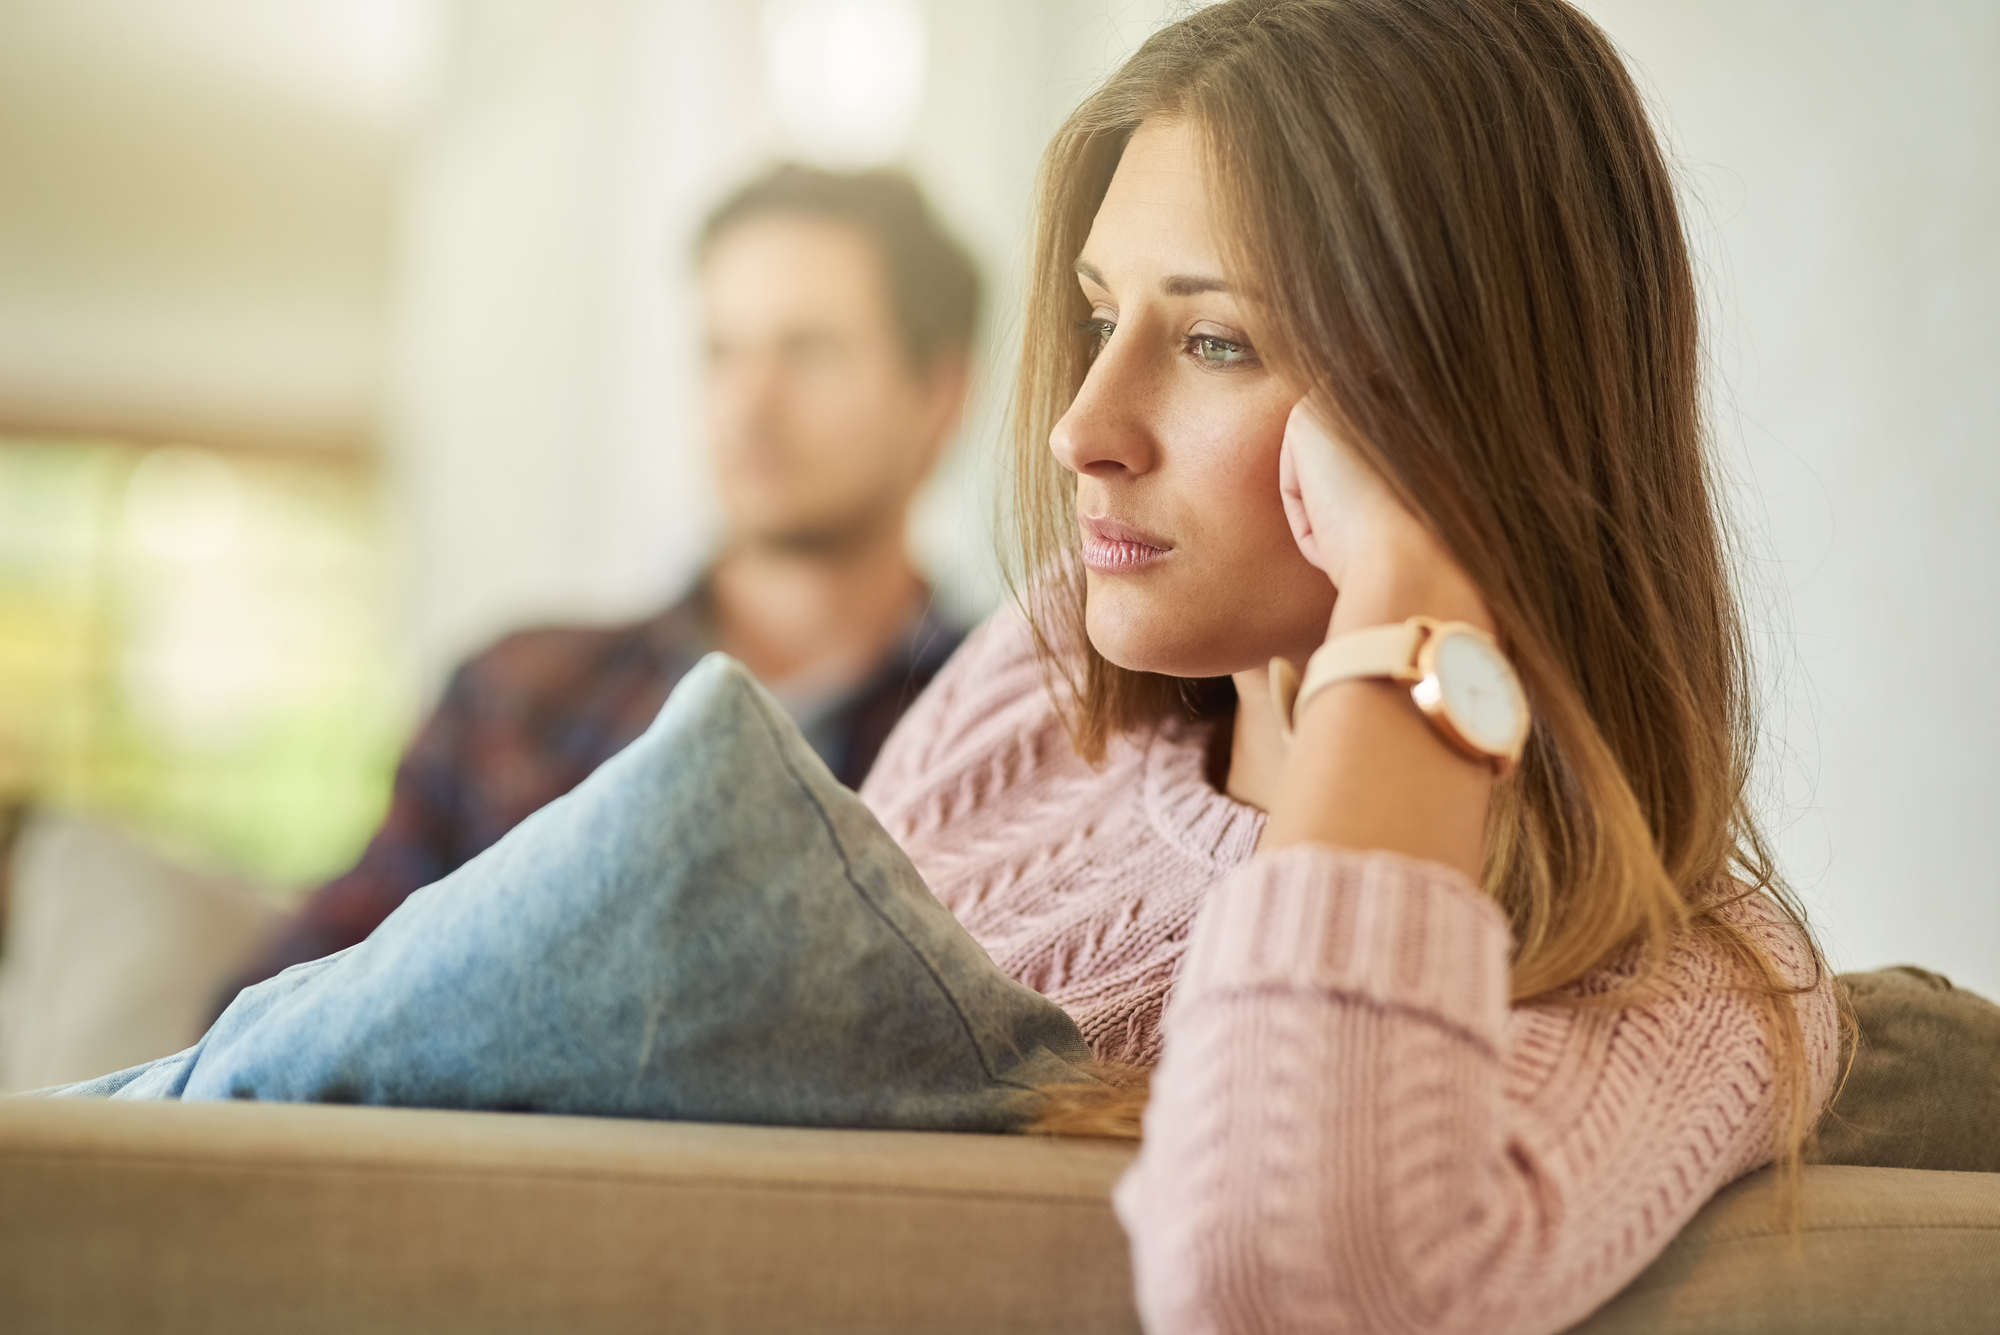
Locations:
{"points": [[192, 642], [845, 78]]}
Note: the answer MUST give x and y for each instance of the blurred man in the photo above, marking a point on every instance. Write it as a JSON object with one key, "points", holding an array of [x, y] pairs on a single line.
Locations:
{"points": [[839, 317]]}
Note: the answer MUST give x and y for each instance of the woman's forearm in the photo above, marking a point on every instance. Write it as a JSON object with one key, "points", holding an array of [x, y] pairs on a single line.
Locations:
{"points": [[1336, 1140]]}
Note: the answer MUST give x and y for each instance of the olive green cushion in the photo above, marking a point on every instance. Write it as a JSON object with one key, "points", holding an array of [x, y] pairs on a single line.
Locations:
{"points": [[1924, 1087]]}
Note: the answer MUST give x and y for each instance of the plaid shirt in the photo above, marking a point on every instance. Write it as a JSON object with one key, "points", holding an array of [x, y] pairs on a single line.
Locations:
{"points": [[528, 720]]}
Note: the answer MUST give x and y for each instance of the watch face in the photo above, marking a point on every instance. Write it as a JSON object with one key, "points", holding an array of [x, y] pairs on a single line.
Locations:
{"points": [[1480, 690]]}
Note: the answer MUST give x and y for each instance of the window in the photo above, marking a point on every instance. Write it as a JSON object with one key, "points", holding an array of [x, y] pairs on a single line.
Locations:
{"points": [[195, 642]]}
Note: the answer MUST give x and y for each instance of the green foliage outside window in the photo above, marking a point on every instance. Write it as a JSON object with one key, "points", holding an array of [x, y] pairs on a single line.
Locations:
{"points": [[195, 643]]}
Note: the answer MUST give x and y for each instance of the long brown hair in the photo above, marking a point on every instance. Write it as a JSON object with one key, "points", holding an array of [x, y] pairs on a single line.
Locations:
{"points": [[1461, 235]]}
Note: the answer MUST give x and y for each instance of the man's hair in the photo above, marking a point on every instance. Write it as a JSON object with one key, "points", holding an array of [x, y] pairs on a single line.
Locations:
{"points": [[933, 283]]}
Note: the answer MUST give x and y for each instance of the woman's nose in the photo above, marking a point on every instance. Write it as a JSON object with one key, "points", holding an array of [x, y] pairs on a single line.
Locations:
{"points": [[1107, 430]]}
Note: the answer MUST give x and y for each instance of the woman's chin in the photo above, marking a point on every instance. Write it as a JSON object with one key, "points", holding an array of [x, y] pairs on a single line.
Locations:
{"points": [[1119, 655], [1146, 639], [1179, 633]]}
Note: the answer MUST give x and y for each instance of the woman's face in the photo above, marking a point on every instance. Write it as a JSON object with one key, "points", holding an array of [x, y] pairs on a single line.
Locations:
{"points": [[1174, 438]]}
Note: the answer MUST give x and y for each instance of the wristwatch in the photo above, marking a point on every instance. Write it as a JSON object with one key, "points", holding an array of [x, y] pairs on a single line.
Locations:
{"points": [[1456, 674]]}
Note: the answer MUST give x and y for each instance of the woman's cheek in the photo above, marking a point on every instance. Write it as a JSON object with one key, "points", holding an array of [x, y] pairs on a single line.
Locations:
{"points": [[1252, 541], [1239, 478]]}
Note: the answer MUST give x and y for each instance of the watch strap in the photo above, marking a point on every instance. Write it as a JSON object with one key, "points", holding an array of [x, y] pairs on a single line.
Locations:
{"points": [[1401, 652], [1375, 651]]}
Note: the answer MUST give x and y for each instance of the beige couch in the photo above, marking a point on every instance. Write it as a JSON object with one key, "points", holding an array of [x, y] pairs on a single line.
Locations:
{"points": [[113, 954], [219, 1218], [265, 1217]]}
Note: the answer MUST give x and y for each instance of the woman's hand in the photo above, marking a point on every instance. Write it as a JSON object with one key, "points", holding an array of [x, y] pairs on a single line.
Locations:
{"points": [[1383, 562], [1366, 770]]}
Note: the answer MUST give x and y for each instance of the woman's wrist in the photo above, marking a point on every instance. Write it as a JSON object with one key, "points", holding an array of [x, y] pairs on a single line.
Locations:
{"points": [[1406, 579]]}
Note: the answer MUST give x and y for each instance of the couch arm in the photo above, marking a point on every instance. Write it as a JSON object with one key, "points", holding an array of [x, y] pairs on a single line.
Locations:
{"points": [[1877, 1250], [259, 1217], [168, 1218]]}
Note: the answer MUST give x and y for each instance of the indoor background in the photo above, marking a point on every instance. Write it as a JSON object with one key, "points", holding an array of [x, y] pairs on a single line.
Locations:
{"points": [[338, 336]]}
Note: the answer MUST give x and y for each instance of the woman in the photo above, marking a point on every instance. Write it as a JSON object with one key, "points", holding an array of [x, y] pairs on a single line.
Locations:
{"points": [[1361, 339], [1346, 312]]}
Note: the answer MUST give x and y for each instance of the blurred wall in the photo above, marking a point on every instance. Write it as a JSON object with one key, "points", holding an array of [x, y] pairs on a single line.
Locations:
{"points": [[1843, 192], [196, 200], [549, 354]]}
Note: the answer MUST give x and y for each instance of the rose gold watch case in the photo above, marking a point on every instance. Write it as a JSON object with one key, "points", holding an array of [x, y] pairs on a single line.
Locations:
{"points": [[1427, 690]]}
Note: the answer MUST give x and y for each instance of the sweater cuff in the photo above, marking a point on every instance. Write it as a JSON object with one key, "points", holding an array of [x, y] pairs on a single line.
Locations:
{"points": [[1376, 926]]}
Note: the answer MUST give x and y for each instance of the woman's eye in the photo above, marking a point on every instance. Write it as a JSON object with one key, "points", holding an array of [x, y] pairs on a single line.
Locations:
{"points": [[1099, 331], [1213, 351]]}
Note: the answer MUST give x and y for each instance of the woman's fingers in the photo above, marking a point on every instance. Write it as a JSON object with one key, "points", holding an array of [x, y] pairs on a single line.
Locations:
{"points": [[1315, 479], [1351, 524], [1296, 512]]}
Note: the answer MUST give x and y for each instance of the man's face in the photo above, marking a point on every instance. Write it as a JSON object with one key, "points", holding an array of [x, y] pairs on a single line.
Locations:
{"points": [[820, 426]]}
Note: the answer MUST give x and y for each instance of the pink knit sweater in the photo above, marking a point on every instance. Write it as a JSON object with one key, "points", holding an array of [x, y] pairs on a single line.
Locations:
{"points": [[1350, 1129]]}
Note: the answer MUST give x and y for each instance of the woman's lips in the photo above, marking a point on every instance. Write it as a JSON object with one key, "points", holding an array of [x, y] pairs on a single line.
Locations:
{"points": [[1112, 548]]}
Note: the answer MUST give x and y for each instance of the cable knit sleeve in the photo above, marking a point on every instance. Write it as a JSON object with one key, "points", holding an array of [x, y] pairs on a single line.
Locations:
{"points": [[1350, 1130]]}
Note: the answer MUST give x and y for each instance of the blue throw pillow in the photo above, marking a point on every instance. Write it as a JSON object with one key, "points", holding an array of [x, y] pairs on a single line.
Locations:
{"points": [[709, 928]]}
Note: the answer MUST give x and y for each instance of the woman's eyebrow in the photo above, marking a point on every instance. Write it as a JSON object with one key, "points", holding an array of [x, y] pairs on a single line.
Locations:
{"points": [[1179, 285]]}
